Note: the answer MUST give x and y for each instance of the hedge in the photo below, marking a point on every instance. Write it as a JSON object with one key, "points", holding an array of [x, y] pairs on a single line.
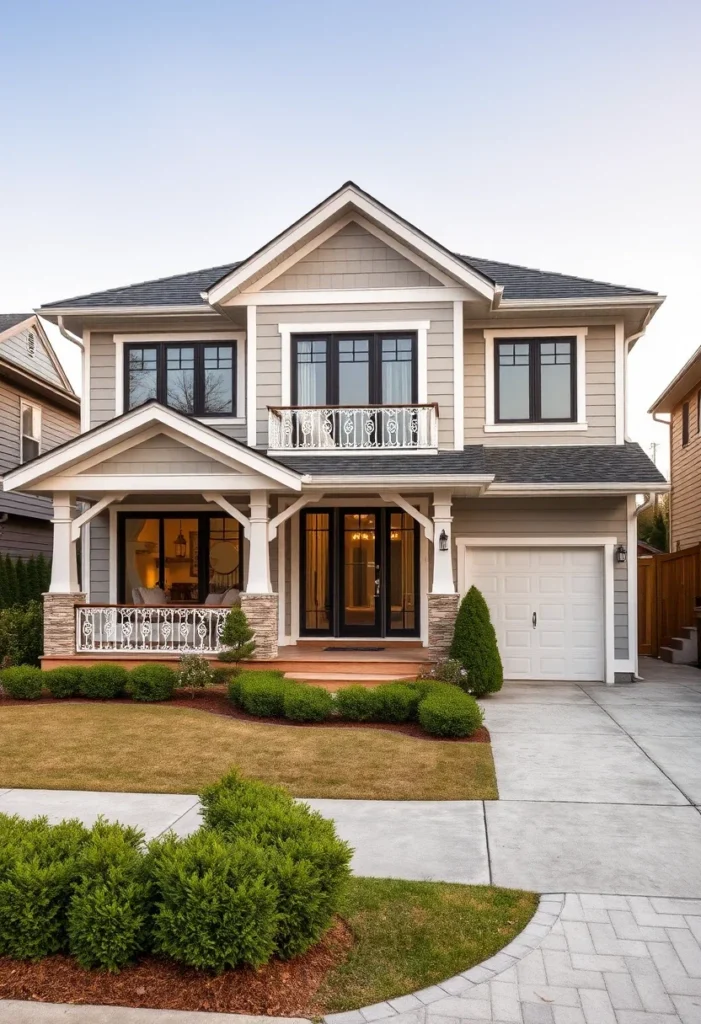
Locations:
{"points": [[23, 682], [262, 877], [152, 682], [307, 703], [450, 713], [63, 682], [104, 681], [22, 634]]}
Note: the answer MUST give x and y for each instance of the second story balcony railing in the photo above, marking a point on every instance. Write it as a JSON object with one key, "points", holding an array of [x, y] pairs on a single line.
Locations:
{"points": [[353, 428]]}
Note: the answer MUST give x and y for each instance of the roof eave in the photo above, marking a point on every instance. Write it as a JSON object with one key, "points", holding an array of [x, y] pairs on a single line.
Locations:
{"points": [[588, 302], [687, 378]]}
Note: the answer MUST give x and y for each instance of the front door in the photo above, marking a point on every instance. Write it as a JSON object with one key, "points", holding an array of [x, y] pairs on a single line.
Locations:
{"points": [[359, 573]]}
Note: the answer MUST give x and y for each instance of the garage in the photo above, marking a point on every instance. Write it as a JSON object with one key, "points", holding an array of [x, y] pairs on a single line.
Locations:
{"points": [[547, 606]]}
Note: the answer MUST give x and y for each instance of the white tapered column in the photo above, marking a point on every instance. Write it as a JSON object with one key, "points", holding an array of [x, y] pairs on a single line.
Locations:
{"points": [[443, 582], [64, 563], [258, 581]]}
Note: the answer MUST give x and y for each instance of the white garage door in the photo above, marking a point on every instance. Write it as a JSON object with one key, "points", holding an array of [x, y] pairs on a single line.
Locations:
{"points": [[547, 606]]}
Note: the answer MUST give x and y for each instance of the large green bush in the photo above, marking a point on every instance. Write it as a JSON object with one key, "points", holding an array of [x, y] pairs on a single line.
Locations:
{"points": [[21, 634], [450, 713], [102, 682], [63, 682], [395, 702], [152, 682], [357, 703], [475, 645], [302, 703], [260, 693], [23, 682]]}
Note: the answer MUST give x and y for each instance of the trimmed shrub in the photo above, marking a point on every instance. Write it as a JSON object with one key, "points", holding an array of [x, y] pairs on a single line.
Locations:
{"points": [[357, 703], [102, 682], [63, 682], [450, 713], [237, 636], [22, 634], [449, 671], [38, 867], [426, 686], [396, 702], [262, 693], [110, 909], [152, 682], [194, 672], [475, 645], [215, 906], [307, 703], [24, 682]]}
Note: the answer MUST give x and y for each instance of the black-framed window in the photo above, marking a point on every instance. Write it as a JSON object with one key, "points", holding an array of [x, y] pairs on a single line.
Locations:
{"points": [[685, 424], [359, 369], [535, 380], [197, 378]]}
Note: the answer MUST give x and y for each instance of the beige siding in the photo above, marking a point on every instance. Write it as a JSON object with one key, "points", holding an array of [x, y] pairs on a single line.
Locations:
{"points": [[552, 517], [600, 394], [440, 350], [100, 559], [353, 258], [685, 502], [102, 378], [16, 350], [160, 454]]}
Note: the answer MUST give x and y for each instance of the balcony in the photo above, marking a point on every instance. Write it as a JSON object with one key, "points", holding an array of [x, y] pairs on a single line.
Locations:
{"points": [[353, 428], [143, 629]]}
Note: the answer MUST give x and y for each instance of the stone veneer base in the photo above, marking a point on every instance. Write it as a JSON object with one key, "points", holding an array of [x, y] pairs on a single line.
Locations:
{"points": [[442, 611], [59, 623], [262, 614]]}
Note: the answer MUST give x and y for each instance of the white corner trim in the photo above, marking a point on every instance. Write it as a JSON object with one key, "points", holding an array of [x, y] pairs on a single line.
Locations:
{"points": [[607, 544], [94, 510], [620, 385], [251, 365], [458, 377], [286, 330], [632, 570], [85, 384], [580, 333]]}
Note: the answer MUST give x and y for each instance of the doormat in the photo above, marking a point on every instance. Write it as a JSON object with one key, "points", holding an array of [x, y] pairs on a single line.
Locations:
{"points": [[354, 648]]}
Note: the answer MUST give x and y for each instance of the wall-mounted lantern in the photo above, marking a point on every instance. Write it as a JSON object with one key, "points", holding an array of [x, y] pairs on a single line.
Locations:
{"points": [[621, 554], [443, 541], [180, 544]]}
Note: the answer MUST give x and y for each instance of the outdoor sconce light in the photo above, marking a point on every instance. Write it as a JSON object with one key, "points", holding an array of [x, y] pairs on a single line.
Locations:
{"points": [[443, 541], [621, 554]]}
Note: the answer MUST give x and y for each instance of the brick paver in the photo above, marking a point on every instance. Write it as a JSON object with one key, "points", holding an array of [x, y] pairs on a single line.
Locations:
{"points": [[583, 959]]}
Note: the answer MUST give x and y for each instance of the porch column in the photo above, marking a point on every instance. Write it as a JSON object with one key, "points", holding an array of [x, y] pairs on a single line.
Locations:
{"points": [[443, 598], [64, 590], [259, 602]]}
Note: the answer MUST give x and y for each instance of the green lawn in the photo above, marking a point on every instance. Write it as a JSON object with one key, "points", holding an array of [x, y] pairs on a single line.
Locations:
{"points": [[158, 749]]}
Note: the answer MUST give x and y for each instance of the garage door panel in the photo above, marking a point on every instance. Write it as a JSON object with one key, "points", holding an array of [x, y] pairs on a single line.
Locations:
{"points": [[564, 587]]}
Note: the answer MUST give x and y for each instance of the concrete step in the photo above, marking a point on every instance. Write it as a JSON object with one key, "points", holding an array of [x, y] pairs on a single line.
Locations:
{"points": [[686, 647], [677, 655], [689, 632], [335, 680]]}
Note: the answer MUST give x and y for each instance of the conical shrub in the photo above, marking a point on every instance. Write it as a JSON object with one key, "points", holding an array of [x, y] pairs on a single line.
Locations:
{"points": [[475, 645]]}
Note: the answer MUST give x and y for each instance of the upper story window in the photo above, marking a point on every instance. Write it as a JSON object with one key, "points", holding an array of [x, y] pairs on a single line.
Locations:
{"points": [[535, 380], [30, 431], [685, 423], [198, 378], [354, 369]]}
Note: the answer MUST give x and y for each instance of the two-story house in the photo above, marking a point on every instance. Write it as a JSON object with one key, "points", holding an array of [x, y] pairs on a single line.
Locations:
{"points": [[38, 410], [350, 427], [681, 401]]}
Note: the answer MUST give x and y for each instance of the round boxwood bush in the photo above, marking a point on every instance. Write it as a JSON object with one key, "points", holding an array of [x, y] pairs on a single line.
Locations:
{"points": [[23, 682], [102, 682], [152, 682], [396, 702], [357, 703], [450, 713], [262, 693], [63, 682], [307, 703]]}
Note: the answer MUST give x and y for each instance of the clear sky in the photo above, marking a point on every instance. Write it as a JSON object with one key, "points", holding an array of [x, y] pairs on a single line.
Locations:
{"points": [[143, 139]]}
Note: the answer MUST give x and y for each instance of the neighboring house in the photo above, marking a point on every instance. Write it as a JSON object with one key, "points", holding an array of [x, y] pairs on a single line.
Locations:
{"points": [[352, 426], [681, 400], [38, 410]]}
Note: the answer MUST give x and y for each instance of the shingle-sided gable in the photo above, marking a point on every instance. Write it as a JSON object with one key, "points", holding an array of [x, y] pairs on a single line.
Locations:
{"points": [[26, 349]]}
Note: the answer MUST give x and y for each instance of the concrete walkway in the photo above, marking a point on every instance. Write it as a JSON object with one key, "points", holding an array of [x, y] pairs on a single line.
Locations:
{"points": [[600, 791]]}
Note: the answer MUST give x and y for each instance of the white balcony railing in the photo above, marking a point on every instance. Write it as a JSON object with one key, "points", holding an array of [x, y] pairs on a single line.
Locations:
{"points": [[166, 629], [340, 427]]}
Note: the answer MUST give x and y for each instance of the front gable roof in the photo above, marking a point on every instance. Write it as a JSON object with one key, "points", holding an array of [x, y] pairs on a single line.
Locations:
{"points": [[26, 346], [688, 378]]}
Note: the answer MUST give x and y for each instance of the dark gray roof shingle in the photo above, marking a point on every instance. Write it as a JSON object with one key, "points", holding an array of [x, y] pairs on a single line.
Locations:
{"points": [[528, 283], [8, 320], [177, 290], [566, 464]]}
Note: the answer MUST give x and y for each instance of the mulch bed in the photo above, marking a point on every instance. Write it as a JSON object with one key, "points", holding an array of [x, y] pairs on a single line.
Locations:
{"points": [[215, 700], [284, 989]]}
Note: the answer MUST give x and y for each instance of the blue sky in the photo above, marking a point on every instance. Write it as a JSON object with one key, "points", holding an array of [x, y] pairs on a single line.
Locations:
{"points": [[142, 139]]}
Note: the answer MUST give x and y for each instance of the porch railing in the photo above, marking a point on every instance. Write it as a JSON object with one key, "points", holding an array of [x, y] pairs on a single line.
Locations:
{"points": [[163, 629], [352, 428]]}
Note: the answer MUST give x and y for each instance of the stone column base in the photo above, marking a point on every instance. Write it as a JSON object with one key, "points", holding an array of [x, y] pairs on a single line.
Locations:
{"points": [[59, 623], [442, 610], [262, 614]]}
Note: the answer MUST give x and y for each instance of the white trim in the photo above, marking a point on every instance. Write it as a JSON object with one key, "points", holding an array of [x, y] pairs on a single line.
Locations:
{"points": [[346, 199], [636, 301], [608, 544], [324, 452], [116, 311], [89, 514], [113, 552], [281, 584], [172, 482], [580, 333], [86, 563], [394, 498], [286, 513], [458, 376], [222, 421], [37, 426], [355, 296], [120, 340], [408, 253], [251, 369], [235, 513], [295, 548], [85, 383], [286, 330], [620, 386], [578, 488], [295, 257], [632, 571], [33, 323]]}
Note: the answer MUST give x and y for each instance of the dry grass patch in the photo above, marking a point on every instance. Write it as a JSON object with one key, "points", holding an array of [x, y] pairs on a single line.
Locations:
{"points": [[148, 749]]}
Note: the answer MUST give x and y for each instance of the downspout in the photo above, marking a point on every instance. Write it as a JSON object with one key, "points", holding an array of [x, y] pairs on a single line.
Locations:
{"points": [[68, 336]]}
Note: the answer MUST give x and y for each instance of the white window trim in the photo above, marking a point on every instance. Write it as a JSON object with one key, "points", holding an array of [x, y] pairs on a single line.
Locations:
{"points": [[120, 340], [421, 327], [608, 545], [36, 422], [490, 427]]}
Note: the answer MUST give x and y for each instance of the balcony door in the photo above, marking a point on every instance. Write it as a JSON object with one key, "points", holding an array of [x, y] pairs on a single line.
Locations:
{"points": [[354, 369]]}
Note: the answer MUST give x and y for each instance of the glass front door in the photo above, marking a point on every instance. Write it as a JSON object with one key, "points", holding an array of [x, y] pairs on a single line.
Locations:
{"points": [[359, 573]]}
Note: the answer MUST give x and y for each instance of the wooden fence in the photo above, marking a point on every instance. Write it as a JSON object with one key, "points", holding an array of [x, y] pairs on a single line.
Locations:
{"points": [[668, 586]]}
